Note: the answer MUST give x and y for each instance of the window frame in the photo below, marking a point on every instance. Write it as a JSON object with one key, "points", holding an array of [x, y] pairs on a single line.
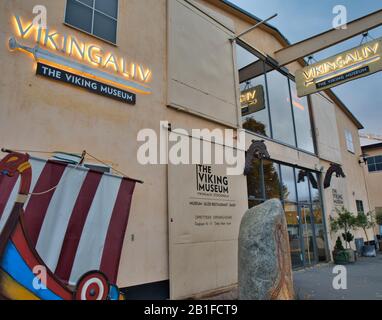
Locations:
{"points": [[348, 134], [374, 164], [294, 167], [92, 18], [266, 101], [359, 205], [286, 75], [311, 118], [298, 203], [285, 72]]}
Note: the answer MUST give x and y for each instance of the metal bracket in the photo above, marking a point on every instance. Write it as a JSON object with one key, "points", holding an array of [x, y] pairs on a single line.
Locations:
{"points": [[253, 27]]}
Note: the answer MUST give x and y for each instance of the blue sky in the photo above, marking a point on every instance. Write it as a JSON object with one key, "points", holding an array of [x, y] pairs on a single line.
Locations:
{"points": [[300, 19]]}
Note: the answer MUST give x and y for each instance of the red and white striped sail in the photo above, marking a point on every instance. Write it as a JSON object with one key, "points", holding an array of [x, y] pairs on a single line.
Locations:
{"points": [[77, 227]]}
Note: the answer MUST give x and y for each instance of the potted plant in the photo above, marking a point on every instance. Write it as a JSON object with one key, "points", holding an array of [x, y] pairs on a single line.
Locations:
{"points": [[345, 221], [378, 220], [366, 221], [340, 255]]}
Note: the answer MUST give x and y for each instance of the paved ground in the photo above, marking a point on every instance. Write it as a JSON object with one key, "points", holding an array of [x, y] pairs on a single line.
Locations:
{"points": [[364, 281]]}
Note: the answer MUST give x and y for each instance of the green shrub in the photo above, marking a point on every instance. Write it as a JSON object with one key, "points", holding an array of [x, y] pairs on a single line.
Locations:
{"points": [[339, 246], [345, 221], [365, 221], [348, 237]]}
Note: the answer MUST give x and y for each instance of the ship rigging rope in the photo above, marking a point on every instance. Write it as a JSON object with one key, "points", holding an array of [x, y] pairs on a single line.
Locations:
{"points": [[63, 179], [84, 154]]}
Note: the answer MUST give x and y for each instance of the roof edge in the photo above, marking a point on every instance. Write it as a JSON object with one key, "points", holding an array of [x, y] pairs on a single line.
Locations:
{"points": [[372, 146], [257, 19]]}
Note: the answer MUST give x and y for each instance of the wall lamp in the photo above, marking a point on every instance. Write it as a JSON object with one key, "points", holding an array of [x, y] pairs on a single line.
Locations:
{"points": [[363, 158]]}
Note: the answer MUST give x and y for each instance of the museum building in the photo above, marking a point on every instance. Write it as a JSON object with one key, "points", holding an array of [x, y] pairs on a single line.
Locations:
{"points": [[104, 70]]}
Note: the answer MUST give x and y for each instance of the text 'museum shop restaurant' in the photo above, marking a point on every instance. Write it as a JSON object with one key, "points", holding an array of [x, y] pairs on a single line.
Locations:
{"points": [[104, 70]]}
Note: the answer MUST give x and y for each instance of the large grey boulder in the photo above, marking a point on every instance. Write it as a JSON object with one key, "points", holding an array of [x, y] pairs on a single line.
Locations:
{"points": [[265, 270]]}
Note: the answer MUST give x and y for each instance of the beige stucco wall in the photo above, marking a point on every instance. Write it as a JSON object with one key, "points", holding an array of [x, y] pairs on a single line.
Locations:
{"points": [[354, 186], [40, 114]]}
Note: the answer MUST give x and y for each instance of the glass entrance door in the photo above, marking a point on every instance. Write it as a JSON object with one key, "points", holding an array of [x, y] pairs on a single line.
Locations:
{"points": [[308, 239], [294, 234]]}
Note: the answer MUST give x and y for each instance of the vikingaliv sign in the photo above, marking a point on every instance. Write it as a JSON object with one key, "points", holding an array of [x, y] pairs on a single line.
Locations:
{"points": [[66, 58], [349, 65]]}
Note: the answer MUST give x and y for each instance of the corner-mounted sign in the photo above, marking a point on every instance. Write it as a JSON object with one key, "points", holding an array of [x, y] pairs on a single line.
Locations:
{"points": [[65, 58], [252, 100], [346, 66]]}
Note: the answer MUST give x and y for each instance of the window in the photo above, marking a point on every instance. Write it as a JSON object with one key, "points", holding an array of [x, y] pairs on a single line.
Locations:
{"points": [[303, 209], [319, 231], [281, 111], [288, 184], [254, 181], [264, 181], [302, 187], [349, 141], [272, 180], [374, 163], [253, 98], [360, 209], [294, 233], [314, 188], [97, 17], [302, 120], [253, 106], [269, 103]]}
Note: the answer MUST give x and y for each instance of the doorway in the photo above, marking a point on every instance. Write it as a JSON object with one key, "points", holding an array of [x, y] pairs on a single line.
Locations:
{"points": [[308, 240], [301, 232], [299, 191]]}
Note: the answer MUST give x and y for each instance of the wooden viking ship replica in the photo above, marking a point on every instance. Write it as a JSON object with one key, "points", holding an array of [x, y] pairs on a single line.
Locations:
{"points": [[74, 228]]}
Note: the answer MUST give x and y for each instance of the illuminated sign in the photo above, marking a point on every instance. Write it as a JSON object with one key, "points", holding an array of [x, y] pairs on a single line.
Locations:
{"points": [[252, 100], [352, 64], [85, 83], [88, 60]]}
